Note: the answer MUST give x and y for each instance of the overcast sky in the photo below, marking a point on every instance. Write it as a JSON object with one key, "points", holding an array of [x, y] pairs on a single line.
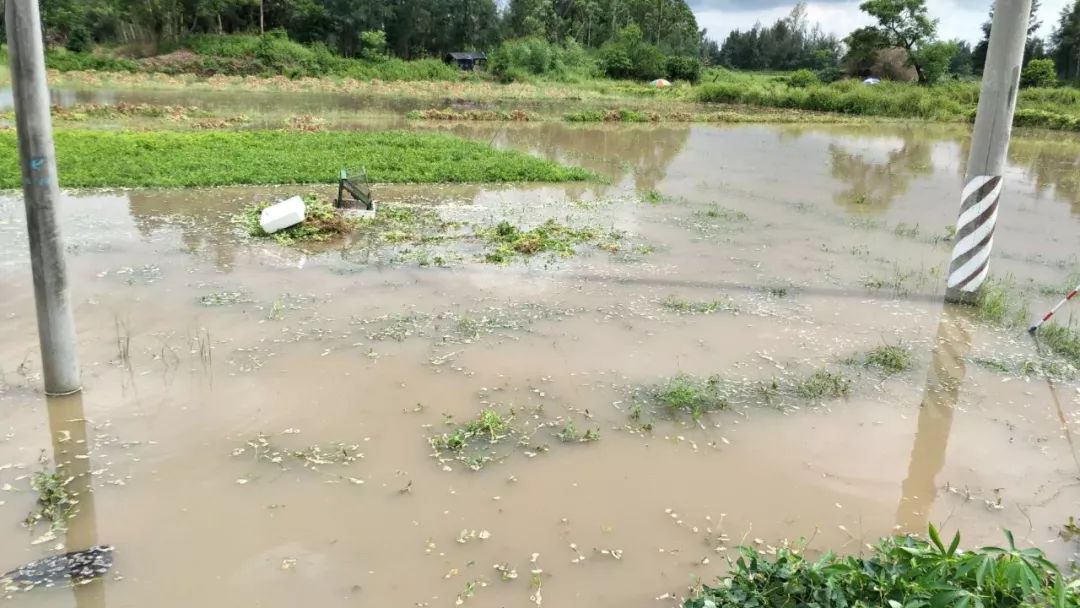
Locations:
{"points": [[959, 18]]}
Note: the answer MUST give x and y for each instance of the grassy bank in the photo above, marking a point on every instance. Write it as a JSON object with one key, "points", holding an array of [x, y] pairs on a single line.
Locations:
{"points": [[90, 159], [1051, 108]]}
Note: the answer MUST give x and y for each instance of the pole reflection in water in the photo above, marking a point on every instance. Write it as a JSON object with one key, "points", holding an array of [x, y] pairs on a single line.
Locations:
{"points": [[947, 373], [71, 447]]}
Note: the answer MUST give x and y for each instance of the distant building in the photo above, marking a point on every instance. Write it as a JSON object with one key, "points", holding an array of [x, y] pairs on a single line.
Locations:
{"points": [[467, 61]]}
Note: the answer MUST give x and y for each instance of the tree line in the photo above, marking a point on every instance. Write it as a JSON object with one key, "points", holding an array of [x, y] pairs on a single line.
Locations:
{"points": [[413, 28]]}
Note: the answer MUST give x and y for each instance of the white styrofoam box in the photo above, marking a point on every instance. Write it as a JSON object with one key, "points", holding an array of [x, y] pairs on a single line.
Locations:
{"points": [[288, 212]]}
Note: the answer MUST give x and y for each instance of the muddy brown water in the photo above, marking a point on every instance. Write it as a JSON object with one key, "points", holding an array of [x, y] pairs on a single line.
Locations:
{"points": [[195, 339]]}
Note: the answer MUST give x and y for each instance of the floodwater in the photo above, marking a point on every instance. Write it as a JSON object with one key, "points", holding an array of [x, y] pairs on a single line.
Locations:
{"points": [[195, 340]]}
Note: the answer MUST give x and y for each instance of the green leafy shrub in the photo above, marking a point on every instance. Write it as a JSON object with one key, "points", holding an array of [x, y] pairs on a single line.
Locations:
{"points": [[800, 79], [67, 61], [628, 55], [900, 572], [524, 58], [684, 68], [1039, 73]]}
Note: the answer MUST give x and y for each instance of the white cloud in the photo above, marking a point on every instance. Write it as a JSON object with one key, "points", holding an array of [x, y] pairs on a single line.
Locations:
{"points": [[958, 18]]}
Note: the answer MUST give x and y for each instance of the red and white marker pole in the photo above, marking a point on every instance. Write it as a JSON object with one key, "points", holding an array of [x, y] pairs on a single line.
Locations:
{"points": [[1072, 294]]}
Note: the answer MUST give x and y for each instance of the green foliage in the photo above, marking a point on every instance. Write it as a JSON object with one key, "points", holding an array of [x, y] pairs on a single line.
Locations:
{"points": [[800, 79], [628, 55], [373, 45], [899, 572], [55, 502], [889, 358], [788, 44], [823, 384], [684, 306], [95, 159], [694, 396], [469, 443], [1039, 73], [507, 241], [68, 61], [527, 58], [322, 222], [684, 68], [934, 59], [1062, 340]]}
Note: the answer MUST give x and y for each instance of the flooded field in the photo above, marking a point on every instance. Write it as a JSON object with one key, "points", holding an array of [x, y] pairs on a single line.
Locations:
{"points": [[266, 425]]}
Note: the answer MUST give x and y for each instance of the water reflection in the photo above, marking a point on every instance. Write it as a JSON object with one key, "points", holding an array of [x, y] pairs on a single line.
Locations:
{"points": [[191, 213], [1050, 164], [871, 187], [71, 446], [947, 373]]}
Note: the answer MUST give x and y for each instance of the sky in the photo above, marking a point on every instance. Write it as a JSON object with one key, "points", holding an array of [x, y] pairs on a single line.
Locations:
{"points": [[959, 18]]}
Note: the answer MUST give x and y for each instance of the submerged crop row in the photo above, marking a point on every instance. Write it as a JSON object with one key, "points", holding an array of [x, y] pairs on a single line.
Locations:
{"points": [[89, 159]]}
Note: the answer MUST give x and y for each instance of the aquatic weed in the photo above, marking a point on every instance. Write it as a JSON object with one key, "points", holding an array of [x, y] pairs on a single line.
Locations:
{"points": [[55, 502], [889, 358], [823, 383], [322, 222], [508, 241], [692, 395], [684, 306]]}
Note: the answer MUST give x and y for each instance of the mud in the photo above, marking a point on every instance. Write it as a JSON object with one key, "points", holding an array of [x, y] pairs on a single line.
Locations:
{"points": [[195, 339]]}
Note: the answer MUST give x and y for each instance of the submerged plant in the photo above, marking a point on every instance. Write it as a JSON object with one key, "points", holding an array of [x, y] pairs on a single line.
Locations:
{"points": [[55, 502], [899, 572], [471, 443], [508, 241], [823, 383], [692, 395], [889, 358]]}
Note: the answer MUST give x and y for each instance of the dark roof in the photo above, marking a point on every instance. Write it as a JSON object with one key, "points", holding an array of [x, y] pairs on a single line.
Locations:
{"points": [[469, 55]]}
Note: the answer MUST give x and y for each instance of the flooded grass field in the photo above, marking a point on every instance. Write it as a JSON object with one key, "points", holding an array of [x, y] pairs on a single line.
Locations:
{"points": [[752, 351]]}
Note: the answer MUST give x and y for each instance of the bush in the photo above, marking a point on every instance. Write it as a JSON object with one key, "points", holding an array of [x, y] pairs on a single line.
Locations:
{"points": [[1039, 73], [629, 56], [67, 61], [831, 74], [520, 59], [801, 79], [901, 571], [684, 68]]}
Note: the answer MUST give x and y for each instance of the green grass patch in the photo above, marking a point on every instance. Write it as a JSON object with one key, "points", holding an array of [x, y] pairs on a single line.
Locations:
{"points": [[56, 504], [823, 384], [1064, 341], [716, 212], [322, 222], [692, 307], [899, 572], [998, 303], [92, 159], [507, 241], [691, 395]]}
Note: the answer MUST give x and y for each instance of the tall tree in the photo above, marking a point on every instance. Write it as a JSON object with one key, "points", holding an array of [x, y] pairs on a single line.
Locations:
{"points": [[1033, 47], [1066, 42], [908, 25]]}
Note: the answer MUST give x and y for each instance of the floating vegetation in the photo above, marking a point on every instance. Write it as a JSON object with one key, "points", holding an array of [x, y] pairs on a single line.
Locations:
{"points": [[901, 571], [55, 503], [507, 241], [404, 224], [322, 222], [684, 306], [310, 457], [890, 359], [221, 298]]}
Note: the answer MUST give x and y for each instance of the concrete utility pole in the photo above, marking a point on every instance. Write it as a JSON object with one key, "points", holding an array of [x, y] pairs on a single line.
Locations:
{"points": [[989, 148], [41, 193]]}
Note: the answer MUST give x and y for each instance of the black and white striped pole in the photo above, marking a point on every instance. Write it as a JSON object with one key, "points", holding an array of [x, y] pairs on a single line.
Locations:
{"points": [[989, 148]]}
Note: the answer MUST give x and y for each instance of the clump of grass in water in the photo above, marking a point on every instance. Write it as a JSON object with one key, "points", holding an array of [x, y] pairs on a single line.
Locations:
{"points": [[899, 571], [998, 304], [719, 213], [466, 443], [55, 503], [889, 358], [683, 306], [312, 456], [508, 241], [823, 383], [692, 395], [569, 434], [322, 222], [1062, 340]]}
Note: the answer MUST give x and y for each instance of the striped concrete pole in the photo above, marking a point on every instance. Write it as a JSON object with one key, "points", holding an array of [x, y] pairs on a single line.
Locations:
{"points": [[989, 147]]}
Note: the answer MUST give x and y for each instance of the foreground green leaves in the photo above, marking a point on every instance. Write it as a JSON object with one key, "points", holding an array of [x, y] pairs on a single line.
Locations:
{"points": [[900, 572], [91, 159]]}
